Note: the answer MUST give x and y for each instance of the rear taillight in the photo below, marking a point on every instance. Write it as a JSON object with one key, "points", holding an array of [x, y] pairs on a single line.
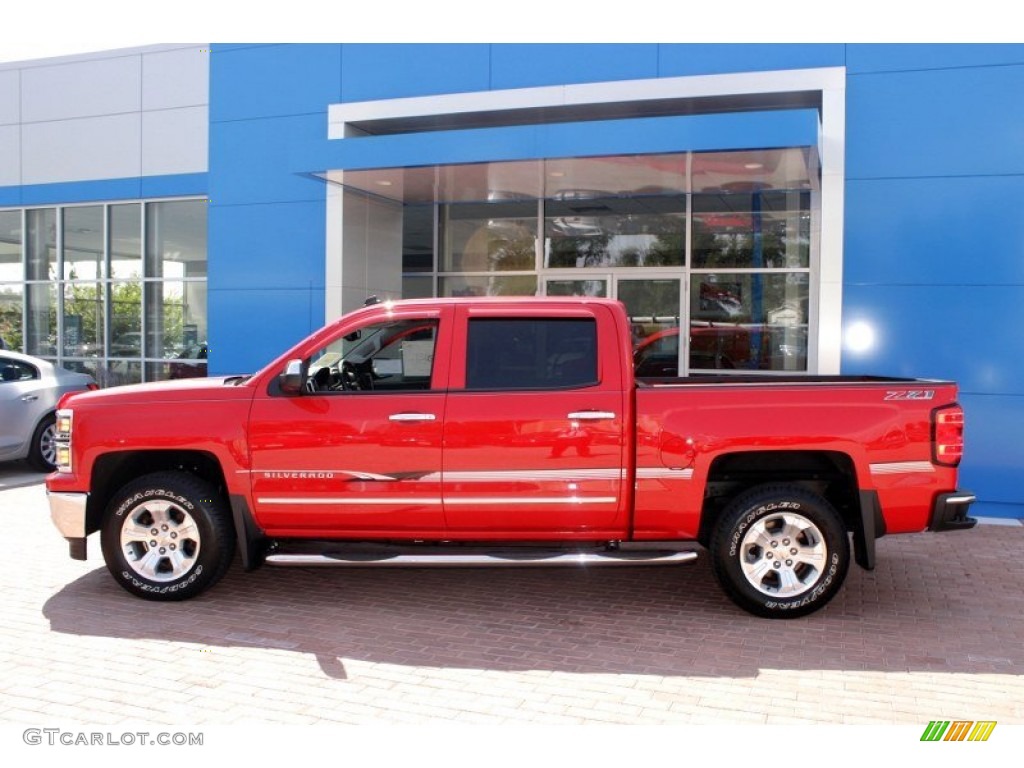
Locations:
{"points": [[948, 435]]}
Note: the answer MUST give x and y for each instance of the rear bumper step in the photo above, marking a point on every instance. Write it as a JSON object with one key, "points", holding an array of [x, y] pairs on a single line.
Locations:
{"points": [[507, 558], [949, 512]]}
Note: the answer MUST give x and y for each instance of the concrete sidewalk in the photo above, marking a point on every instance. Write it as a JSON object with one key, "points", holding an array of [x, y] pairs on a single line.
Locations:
{"points": [[936, 632]]}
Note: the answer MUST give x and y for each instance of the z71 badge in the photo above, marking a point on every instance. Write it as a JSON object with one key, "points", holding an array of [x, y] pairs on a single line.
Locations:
{"points": [[910, 394]]}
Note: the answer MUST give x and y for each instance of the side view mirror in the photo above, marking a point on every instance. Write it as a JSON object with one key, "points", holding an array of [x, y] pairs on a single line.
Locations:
{"points": [[292, 380]]}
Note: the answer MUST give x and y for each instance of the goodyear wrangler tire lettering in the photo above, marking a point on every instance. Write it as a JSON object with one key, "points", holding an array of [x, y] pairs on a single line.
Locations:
{"points": [[780, 551], [167, 536]]}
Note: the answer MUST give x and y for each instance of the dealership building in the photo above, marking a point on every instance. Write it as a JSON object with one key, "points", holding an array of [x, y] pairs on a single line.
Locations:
{"points": [[179, 210]]}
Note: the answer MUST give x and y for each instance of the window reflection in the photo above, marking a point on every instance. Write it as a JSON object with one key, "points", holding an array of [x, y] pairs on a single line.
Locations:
{"points": [[84, 319], [758, 230], [749, 321], [585, 228], [496, 285], [494, 236], [596, 288], [175, 317]]}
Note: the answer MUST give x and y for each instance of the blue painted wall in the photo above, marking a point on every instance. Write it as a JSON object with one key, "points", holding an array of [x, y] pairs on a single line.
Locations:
{"points": [[934, 254], [266, 223]]}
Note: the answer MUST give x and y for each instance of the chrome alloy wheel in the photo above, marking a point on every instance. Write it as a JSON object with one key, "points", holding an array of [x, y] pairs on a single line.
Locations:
{"points": [[783, 555], [160, 540], [48, 445]]}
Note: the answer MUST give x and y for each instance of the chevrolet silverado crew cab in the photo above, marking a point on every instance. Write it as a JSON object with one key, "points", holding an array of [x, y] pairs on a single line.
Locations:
{"points": [[504, 432]]}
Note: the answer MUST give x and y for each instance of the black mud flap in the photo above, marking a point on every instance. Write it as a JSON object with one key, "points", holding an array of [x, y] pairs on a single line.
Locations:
{"points": [[872, 527], [252, 544]]}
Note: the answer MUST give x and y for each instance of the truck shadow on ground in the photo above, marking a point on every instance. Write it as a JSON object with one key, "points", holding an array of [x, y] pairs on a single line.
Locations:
{"points": [[948, 603]]}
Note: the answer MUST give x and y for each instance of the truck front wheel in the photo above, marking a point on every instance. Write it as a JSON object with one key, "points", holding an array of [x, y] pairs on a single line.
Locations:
{"points": [[167, 536], [780, 551]]}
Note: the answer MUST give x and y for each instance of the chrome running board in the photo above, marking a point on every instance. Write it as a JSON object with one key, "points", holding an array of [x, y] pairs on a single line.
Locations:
{"points": [[508, 558]]}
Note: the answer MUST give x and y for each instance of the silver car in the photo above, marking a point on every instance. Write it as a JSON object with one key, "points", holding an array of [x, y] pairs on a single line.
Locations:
{"points": [[29, 391]]}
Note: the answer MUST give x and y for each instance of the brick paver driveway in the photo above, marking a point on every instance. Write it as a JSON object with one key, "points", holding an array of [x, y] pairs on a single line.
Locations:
{"points": [[936, 631]]}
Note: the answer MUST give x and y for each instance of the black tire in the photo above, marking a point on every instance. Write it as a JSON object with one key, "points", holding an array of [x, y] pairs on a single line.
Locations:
{"points": [[780, 551], [167, 536], [42, 451]]}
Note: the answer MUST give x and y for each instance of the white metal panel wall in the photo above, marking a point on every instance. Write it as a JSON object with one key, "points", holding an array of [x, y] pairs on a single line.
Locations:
{"points": [[82, 150], [10, 109], [117, 114], [179, 78], [81, 89], [10, 155], [174, 141]]}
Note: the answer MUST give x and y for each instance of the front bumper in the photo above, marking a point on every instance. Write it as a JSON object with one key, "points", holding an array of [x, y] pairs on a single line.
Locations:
{"points": [[949, 512], [67, 510]]}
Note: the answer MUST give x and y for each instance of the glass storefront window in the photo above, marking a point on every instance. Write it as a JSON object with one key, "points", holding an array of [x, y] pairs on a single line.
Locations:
{"points": [[488, 285], [84, 305], [118, 372], [758, 230], [11, 301], [654, 310], [126, 241], [417, 287], [596, 288], [126, 319], [83, 243], [176, 239], [41, 333], [494, 236], [418, 238], [749, 321], [42, 244], [10, 247], [190, 363], [711, 252], [584, 228], [175, 317], [84, 315]]}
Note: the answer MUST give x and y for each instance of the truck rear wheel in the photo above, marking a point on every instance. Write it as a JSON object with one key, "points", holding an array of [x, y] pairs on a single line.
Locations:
{"points": [[780, 551], [167, 536]]}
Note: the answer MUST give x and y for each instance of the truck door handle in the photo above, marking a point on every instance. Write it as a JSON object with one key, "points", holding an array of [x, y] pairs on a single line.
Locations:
{"points": [[411, 417], [591, 415]]}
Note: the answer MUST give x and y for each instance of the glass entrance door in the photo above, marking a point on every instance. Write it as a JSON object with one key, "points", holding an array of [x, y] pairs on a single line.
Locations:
{"points": [[654, 307]]}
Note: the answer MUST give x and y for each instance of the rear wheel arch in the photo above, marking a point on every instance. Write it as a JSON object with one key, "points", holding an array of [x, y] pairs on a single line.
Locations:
{"points": [[829, 474]]}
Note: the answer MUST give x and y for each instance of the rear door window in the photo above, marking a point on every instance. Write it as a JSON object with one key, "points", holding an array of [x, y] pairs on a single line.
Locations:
{"points": [[531, 353]]}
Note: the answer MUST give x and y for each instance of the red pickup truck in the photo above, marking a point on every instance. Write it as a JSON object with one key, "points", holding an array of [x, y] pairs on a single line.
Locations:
{"points": [[504, 432]]}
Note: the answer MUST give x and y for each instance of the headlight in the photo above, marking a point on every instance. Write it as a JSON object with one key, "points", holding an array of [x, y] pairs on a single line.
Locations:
{"points": [[62, 430], [64, 419]]}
